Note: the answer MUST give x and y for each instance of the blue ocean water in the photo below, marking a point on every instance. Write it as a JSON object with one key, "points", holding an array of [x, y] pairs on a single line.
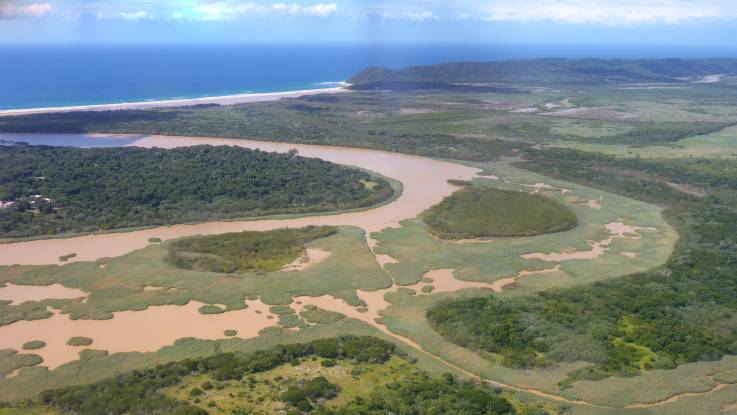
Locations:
{"points": [[42, 75]]}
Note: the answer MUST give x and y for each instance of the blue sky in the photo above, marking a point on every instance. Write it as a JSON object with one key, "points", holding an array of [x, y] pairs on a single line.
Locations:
{"points": [[613, 22]]}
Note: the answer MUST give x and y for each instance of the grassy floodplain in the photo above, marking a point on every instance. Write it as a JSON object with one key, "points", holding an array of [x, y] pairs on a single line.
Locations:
{"points": [[672, 168]]}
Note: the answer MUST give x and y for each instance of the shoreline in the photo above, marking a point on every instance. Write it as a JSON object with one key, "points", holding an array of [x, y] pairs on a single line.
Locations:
{"points": [[183, 102]]}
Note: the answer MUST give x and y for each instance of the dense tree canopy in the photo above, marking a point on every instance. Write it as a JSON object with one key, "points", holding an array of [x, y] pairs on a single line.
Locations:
{"points": [[64, 189], [142, 391], [475, 212]]}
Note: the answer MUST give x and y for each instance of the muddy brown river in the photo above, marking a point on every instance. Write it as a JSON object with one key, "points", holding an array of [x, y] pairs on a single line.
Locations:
{"points": [[425, 183]]}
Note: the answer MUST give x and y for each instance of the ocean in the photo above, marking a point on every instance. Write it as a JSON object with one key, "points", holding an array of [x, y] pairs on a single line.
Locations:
{"points": [[42, 75]]}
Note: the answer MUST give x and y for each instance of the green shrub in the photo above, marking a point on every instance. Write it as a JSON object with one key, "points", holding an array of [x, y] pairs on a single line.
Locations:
{"points": [[34, 345], [79, 341], [67, 257], [211, 309]]}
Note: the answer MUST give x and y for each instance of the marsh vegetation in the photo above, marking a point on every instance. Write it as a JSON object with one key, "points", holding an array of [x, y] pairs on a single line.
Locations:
{"points": [[244, 252]]}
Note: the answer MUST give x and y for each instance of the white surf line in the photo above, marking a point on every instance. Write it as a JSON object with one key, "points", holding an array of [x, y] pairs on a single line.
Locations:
{"points": [[183, 102]]}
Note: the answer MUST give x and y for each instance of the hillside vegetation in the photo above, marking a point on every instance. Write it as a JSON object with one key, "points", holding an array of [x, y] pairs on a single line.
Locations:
{"points": [[63, 189], [244, 252], [252, 383], [558, 70], [477, 212], [682, 312]]}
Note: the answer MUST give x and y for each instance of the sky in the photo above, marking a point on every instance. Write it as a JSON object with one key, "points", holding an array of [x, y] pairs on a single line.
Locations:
{"points": [[600, 22]]}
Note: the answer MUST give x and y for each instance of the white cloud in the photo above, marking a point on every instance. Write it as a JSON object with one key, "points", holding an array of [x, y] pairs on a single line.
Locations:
{"points": [[420, 16], [294, 9], [606, 11], [232, 10], [601, 12], [10, 11], [135, 16]]}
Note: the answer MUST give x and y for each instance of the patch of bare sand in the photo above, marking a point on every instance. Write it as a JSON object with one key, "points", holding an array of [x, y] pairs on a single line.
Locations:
{"points": [[184, 102], [13, 374], [311, 257], [133, 331], [529, 110], [540, 186], [593, 204], [615, 230], [384, 259], [17, 293], [412, 111], [488, 176], [629, 254]]}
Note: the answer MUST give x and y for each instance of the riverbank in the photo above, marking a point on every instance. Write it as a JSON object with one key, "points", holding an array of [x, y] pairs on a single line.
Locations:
{"points": [[185, 102], [420, 191]]}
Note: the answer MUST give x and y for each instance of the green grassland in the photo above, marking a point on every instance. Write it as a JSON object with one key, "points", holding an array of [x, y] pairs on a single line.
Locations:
{"points": [[119, 285], [418, 252], [720, 144], [477, 212]]}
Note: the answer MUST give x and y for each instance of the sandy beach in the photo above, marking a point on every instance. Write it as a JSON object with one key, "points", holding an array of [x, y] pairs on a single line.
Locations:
{"points": [[185, 102]]}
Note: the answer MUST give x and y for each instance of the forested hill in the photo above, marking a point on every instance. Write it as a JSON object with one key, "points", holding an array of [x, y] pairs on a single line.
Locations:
{"points": [[51, 190], [552, 70]]}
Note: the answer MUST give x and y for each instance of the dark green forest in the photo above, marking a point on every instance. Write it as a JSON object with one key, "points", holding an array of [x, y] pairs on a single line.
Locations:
{"points": [[141, 391], [244, 252], [552, 70], [681, 312], [65, 189], [307, 120], [476, 212]]}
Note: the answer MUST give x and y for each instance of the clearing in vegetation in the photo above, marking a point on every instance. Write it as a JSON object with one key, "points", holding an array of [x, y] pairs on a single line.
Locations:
{"points": [[244, 252], [477, 212]]}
